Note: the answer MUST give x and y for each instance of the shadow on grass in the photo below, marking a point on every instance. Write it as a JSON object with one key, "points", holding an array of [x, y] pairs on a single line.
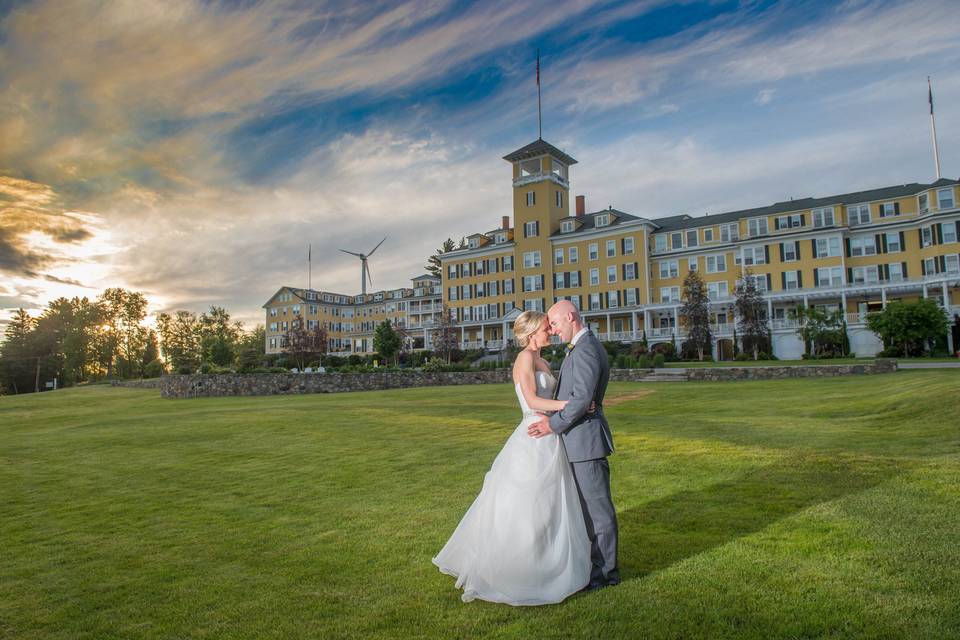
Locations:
{"points": [[659, 534]]}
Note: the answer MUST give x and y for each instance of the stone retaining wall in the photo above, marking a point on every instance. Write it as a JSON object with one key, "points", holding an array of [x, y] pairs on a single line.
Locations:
{"points": [[268, 384], [147, 383], [716, 374]]}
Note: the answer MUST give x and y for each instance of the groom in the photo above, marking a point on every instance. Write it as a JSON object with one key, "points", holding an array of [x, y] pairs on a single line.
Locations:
{"points": [[586, 435]]}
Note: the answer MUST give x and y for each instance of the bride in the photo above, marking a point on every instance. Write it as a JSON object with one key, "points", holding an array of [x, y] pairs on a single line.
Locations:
{"points": [[523, 541]]}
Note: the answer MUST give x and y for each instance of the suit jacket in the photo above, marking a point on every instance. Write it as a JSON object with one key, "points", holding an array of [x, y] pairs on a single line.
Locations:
{"points": [[583, 379]]}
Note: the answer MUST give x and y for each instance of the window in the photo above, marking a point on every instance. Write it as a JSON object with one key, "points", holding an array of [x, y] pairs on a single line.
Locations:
{"points": [[531, 229], [923, 201], [531, 259], [602, 220], [865, 275], [627, 246], [611, 248], [894, 245], [478, 267], [669, 269], [790, 221], [926, 236], [508, 263], [533, 283], [791, 279], [759, 281], [948, 232], [452, 293], [828, 277], [530, 167], [594, 251], [473, 243], [508, 286], [858, 214], [465, 269], [612, 273], [630, 271], [676, 240], [717, 263], [670, 294], [729, 232], [613, 299], [566, 226], [574, 278], [823, 217], [573, 255], [708, 235], [945, 198], [692, 238], [536, 304], [757, 227], [929, 266], [889, 209], [660, 243], [594, 301], [558, 256], [951, 263], [894, 272], [558, 200], [788, 252], [500, 238], [692, 263], [594, 277], [531, 198], [754, 255], [863, 246], [717, 290], [826, 247], [630, 297]]}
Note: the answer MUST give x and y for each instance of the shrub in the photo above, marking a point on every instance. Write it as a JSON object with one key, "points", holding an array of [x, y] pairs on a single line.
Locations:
{"points": [[762, 355], [666, 349], [891, 352], [658, 361], [154, 369], [742, 357], [645, 361], [184, 369], [278, 370]]}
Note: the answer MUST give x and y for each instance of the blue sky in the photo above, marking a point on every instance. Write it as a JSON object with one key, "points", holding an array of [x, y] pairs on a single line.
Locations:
{"points": [[191, 150]]}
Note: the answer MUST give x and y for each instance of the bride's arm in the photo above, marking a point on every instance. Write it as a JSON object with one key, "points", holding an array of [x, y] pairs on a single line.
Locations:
{"points": [[524, 373]]}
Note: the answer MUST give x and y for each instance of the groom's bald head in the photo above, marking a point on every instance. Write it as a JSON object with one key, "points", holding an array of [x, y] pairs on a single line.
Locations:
{"points": [[565, 320]]}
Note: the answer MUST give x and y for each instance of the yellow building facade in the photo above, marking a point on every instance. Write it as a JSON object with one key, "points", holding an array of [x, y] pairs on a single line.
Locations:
{"points": [[853, 252], [350, 320]]}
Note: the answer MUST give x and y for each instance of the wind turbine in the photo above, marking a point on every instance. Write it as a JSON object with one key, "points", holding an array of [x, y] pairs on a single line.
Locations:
{"points": [[364, 269]]}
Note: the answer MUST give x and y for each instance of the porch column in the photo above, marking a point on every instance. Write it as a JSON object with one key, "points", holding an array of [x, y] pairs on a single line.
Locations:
{"points": [[676, 327], [946, 307], [608, 326], [463, 337], [633, 324], [883, 297], [769, 310], [646, 321]]}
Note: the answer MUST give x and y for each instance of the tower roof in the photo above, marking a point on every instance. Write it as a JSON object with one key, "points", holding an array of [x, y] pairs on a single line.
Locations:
{"points": [[536, 148]]}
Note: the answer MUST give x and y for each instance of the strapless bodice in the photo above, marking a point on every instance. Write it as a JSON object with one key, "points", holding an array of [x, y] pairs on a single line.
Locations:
{"points": [[546, 383]]}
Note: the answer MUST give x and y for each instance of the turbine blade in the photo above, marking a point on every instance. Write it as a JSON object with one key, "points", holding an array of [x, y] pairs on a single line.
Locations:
{"points": [[376, 247], [359, 255], [369, 277]]}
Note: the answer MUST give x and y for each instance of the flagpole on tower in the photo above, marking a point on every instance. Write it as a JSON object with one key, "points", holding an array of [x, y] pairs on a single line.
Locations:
{"points": [[309, 266], [933, 128], [539, 113]]}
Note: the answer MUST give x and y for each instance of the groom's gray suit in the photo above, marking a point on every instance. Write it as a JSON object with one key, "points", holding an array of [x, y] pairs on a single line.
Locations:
{"points": [[586, 436]]}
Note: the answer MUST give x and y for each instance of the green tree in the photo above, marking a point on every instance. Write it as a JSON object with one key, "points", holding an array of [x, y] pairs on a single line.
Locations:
{"points": [[180, 340], [386, 341], [123, 337], [446, 341], [17, 360], [821, 330], [695, 313], [909, 325], [304, 345], [752, 325], [218, 336], [251, 349], [433, 262]]}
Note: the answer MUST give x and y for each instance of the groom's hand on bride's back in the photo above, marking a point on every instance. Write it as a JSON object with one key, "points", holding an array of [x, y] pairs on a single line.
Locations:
{"points": [[540, 428]]}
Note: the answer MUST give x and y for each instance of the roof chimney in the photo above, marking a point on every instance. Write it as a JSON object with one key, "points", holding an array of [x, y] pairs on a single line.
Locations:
{"points": [[581, 206], [505, 222]]}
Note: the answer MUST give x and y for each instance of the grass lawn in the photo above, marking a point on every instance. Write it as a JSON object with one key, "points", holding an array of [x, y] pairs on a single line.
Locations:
{"points": [[800, 508], [792, 363]]}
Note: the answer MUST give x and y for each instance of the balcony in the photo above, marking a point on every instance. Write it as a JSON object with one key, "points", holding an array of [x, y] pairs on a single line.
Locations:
{"points": [[660, 332]]}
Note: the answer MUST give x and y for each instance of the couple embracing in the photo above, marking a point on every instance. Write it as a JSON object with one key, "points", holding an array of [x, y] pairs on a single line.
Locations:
{"points": [[544, 525]]}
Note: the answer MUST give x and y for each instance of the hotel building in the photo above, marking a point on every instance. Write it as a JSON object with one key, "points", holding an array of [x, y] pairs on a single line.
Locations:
{"points": [[853, 252], [350, 320]]}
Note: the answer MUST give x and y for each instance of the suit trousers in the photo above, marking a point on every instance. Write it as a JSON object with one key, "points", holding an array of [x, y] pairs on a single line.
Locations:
{"points": [[593, 483]]}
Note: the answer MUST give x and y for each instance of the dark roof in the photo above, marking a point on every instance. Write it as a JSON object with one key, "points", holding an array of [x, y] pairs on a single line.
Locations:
{"points": [[538, 148], [426, 276], [588, 221], [684, 221]]}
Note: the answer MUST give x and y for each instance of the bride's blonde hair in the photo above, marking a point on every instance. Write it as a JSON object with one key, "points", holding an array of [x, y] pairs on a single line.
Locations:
{"points": [[526, 325]]}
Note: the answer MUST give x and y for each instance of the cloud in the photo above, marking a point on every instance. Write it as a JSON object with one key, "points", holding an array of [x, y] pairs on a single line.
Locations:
{"points": [[69, 281], [764, 97]]}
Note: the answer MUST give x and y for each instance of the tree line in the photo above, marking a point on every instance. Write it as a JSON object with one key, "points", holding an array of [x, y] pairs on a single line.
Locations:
{"points": [[80, 340]]}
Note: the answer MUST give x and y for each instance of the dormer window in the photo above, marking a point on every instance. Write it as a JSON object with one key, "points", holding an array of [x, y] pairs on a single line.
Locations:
{"points": [[602, 220], [566, 226], [945, 198], [924, 201], [889, 209], [474, 243], [500, 238]]}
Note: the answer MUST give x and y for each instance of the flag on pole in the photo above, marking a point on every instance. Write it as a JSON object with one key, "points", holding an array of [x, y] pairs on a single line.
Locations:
{"points": [[929, 94], [538, 67]]}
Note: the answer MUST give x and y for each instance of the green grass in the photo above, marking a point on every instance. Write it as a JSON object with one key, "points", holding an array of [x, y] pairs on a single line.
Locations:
{"points": [[793, 363], [779, 509]]}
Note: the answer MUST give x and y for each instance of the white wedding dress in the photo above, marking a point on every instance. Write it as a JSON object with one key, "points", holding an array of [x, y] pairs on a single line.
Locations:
{"points": [[523, 541]]}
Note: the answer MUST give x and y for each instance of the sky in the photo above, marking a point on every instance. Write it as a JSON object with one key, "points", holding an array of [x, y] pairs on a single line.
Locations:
{"points": [[192, 150]]}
